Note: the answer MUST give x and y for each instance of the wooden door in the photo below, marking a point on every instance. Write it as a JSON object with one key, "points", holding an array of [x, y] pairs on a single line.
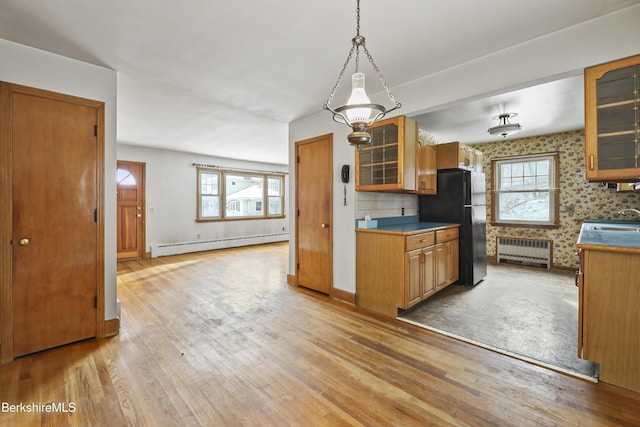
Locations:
{"points": [[130, 210], [314, 196], [55, 205], [441, 265], [428, 272], [412, 271]]}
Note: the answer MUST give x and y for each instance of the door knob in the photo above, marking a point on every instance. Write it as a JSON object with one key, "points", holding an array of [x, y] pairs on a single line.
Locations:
{"points": [[325, 225], [24, 242]]}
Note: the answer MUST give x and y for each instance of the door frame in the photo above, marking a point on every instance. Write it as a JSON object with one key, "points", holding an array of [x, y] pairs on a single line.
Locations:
{"points": [[328, 136], [6, 201], [143, 178]]}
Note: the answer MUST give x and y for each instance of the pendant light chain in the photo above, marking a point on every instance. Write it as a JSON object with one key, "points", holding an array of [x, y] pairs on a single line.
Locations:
{"points": [[358, 40], [358, 18], [354, 47], [379, 73]]}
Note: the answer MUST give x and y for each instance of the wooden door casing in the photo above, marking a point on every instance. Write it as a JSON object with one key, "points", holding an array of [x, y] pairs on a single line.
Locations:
{"points": [[314, 210], [130, 210], [52, 184]]}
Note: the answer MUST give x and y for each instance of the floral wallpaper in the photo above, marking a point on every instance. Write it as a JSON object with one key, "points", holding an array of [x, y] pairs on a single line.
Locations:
{"points": [[579, 199], [429, 138]]}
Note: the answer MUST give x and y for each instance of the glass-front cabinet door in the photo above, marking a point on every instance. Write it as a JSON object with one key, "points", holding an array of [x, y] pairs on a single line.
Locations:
{"points": [[612, 121], [388, 163]]}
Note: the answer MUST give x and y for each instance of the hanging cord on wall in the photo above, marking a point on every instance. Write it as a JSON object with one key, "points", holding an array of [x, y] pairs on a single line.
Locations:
{"points": [[345, 194]]}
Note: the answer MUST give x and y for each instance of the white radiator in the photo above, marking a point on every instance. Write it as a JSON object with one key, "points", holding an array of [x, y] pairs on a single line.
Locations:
{"points": [[524, 251], [164, 249]]}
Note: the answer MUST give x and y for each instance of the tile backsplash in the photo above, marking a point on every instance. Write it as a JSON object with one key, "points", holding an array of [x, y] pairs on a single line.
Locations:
{"points": [[381, 205]]}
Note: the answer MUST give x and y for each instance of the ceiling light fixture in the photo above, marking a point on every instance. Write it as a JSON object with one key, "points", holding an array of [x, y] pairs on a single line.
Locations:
{"points": [[359, 113], [505, 128]]}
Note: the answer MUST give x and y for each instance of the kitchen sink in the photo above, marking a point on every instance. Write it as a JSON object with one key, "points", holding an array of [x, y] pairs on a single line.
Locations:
{"points": [[613, 228]]}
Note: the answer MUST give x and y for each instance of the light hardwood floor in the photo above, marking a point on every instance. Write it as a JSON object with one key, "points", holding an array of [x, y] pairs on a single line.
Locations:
{"points": [[220, 339]]}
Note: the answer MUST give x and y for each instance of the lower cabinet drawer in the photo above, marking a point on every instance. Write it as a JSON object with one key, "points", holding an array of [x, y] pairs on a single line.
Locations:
{"points": [[446, 235], [418, 241]]}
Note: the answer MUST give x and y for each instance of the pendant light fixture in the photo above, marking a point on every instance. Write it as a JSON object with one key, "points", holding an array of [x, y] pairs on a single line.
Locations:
{"points": [[359, 113], [505, 128]]}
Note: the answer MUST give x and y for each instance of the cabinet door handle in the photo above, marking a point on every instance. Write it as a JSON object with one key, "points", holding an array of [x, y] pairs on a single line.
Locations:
{"points": [[325, 225], [591, 161]]}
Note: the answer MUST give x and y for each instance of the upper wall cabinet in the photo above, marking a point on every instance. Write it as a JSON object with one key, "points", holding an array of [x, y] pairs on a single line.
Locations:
{"points": [[612, 117], [395, 160], [389, 162], [454, 155]]}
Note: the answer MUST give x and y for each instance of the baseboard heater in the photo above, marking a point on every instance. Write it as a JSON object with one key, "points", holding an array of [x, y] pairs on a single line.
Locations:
{"points": [[524, 251], [165, 249]]}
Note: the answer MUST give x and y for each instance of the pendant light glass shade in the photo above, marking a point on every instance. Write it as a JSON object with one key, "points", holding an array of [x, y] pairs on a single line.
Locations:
{"points": [[358, 97]]}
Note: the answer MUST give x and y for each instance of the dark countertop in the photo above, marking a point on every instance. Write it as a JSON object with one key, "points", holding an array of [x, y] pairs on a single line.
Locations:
{"points": [[615, 236], [408, 228]]}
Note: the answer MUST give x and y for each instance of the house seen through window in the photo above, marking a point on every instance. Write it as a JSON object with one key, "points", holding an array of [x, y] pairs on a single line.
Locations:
{"points": [[236, 195]]}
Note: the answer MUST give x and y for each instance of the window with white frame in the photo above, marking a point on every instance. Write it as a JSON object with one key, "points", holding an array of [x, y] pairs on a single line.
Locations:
{"points": [[242, 194], [525, 191]]}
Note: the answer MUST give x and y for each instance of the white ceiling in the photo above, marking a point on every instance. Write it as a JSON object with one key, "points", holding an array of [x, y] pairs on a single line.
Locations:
{"points": [[226, 78]]}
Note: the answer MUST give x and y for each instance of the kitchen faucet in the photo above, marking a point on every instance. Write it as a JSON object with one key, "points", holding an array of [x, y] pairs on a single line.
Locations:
{"points": [[626, 211]]}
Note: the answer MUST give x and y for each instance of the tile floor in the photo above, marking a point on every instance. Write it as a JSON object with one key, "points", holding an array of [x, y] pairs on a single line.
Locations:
{"points": [[527, 311]]}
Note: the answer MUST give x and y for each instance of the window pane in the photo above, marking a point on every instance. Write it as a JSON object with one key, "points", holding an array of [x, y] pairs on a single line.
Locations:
{"points": [[243, 195], [505, 170], [530, 206], [542, 167], [125, 178], [529, 183], [516, 169], [275, 186], [542, 182], [517, 183], [505, 184], [210, 207], [209, 183], [275, 206], [529, 169]]}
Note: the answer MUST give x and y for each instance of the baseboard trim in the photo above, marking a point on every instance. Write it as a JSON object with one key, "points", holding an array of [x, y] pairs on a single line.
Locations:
{"points": [[344, 296], [111, 327], [291, 279]]}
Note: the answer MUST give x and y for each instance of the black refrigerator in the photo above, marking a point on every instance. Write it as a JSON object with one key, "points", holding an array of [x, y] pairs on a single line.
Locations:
{"points": [[462, 199]]}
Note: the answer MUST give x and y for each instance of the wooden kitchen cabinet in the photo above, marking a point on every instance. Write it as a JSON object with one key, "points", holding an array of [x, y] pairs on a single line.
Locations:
{"points": [[389, 162], [446, 255], [398, 270], [612, 129], [420, 269], [454, 155], [426, 169], [609, 298]]}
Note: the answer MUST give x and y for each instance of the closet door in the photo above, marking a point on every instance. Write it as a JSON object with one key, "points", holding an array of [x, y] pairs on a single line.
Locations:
{"points": [[55, 235]]}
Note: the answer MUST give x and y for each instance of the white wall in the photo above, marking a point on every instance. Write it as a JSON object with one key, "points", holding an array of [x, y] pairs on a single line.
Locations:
{"points": [[36, 68], [171, 197], [563, 53]]}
